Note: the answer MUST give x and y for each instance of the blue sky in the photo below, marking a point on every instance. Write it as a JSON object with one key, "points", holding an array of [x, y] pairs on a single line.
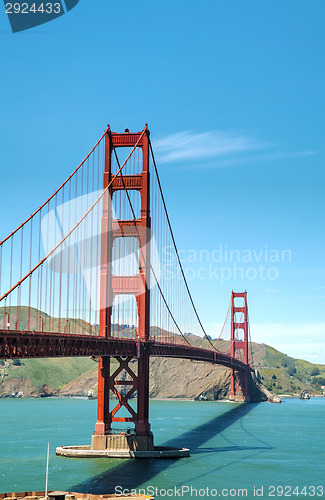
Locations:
{"points": [[233, 94]]}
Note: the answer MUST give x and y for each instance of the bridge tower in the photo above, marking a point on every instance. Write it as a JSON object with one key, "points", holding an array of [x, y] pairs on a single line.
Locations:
{"points": [[239, 389], [135, 381]]}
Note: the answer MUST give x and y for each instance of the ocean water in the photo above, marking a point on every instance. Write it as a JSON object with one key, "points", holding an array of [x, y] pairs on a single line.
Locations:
{"points": [[237, 450]]}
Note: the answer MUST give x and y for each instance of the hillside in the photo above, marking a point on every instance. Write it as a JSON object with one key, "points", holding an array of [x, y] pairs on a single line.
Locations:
{"points": [[170, 378], [40, 377], [283, 374]]}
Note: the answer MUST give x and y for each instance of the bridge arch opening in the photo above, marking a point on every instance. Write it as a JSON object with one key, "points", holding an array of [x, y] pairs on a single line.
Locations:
{"points": [[240, 334], [239, 302], [125, 317], [133, 166], [239, 317], [125, 256], [126, 204]]}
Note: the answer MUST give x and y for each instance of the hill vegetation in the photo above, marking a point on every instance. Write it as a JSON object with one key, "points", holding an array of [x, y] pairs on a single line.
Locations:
{"points": [[282, 374], [170, 378], [279, 373]]}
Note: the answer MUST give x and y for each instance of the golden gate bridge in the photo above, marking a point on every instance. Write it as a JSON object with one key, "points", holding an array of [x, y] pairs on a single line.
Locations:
{"points": [[88, 274]]}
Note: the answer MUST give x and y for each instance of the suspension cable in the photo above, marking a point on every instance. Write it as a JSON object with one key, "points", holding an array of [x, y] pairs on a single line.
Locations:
{"points": [[140, 248], [250, 339], [177, 254], [224, 323], [75, 226], [52, 196]]}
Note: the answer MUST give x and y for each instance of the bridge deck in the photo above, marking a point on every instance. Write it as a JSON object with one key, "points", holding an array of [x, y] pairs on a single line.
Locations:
{"points": [[17, 344]]}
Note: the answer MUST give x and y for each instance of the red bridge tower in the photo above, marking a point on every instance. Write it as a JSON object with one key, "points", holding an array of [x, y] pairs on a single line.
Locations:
{"points": [[138, 286], [239, 390]]}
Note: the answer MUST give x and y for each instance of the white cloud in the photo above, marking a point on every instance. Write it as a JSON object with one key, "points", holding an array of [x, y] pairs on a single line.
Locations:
{"points": [[225, 147], [190, 146]]}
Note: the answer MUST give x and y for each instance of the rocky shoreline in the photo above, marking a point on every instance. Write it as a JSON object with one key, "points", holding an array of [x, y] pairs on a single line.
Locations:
{"points": [[169, 377]]}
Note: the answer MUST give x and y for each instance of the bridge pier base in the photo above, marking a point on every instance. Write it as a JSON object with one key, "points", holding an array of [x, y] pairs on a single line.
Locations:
{"points": [[123, 441], [123, 380], [87, 452]]}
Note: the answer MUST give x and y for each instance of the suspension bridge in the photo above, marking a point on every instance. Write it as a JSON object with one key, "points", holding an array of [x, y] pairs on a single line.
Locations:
{"points": [[95, 271]]}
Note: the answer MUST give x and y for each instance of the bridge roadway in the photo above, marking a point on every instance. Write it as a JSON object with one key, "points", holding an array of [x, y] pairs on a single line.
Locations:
{"points": [[22, 344]]}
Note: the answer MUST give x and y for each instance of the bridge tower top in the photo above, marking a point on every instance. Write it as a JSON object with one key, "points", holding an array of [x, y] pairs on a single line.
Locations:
{"points": [[138, 228]]}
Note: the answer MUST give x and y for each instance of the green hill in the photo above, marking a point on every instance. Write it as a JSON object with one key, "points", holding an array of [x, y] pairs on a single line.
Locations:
{"points": [[278, 372], [283, 374], [31, 375]]}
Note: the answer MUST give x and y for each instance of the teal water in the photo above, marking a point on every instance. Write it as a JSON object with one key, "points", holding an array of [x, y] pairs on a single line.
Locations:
{"points": [[233, 447]]}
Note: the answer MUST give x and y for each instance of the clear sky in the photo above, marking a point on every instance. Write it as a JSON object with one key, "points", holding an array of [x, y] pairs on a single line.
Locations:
{"points": [[233, 92]]}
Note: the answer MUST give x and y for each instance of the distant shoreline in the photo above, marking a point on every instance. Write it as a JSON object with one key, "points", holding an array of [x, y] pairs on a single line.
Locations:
{"points": [[282, 396]]}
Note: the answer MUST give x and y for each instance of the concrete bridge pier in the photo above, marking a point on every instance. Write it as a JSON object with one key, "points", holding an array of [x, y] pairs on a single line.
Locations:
{"points": [[123, 382]]}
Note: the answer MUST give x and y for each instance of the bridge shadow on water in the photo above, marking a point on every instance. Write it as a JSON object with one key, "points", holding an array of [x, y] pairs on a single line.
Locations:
{"points": [[133, 473]]}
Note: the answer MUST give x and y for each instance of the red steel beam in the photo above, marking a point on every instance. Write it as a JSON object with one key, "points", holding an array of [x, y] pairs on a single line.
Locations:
{"points": [[17, 344]]}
